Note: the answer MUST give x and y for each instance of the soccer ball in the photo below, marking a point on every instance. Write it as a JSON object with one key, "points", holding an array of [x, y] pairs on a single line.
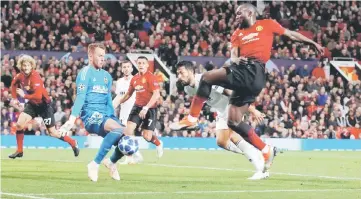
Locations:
{"points": [[128, 145]]}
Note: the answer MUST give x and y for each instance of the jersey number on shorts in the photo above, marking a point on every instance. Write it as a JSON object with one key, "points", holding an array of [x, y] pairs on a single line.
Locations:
{"points": [[150, 122], [47, 121]]}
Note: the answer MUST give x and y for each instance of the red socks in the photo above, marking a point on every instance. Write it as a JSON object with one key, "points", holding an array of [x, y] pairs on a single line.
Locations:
{"points": [[255, 140], [20, 140], [196, 106], [68, 140], [155, 140]]}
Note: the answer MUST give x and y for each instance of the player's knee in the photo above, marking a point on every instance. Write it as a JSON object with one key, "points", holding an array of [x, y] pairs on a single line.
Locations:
{"points": [[54, 133], [233, 124], [206, 77], [147, 135], [19, 126], [221, 142]]}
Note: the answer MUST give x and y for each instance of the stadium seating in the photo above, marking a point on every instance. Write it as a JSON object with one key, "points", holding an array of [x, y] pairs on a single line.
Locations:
{"points": [[71, 26]]}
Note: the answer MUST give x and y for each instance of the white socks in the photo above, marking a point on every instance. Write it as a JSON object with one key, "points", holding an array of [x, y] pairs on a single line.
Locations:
{"points": [[232, 147], [252, 154]]}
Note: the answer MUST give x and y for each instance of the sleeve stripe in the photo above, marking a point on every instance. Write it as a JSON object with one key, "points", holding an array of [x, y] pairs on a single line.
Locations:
{"points": [[84, 72]]}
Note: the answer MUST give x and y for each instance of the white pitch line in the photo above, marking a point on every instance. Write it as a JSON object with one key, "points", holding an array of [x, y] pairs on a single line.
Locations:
{"points": [[199, 192], [24, 196], [215, 168], [245, 170]]}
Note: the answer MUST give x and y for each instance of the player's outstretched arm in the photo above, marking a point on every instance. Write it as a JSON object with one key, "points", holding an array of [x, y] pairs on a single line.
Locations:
{"points": [[299, 37], [121, 99], [116, 101], [82, 87], [127, 94]]}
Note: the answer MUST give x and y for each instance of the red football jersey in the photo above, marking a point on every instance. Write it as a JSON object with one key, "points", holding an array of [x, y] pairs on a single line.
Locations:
{"points": [[143, 85], [256, 41], [33, 85]]}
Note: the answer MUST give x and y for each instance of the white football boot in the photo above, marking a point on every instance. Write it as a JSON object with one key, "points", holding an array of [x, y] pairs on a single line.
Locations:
{"points": [[113, 171], [93, 169]]}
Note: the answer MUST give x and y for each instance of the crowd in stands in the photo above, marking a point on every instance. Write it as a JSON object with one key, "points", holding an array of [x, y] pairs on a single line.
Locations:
{"points": [[176, 28], [297, 103]]}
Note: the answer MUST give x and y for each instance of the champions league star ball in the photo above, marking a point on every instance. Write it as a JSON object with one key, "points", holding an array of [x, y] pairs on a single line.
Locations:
{"points": [[128, 145]]}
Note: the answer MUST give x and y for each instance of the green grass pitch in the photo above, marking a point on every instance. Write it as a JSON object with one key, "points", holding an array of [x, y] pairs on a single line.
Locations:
{"points": [[51, 173]]}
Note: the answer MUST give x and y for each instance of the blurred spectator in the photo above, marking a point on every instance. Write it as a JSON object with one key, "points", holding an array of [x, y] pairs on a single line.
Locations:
{"points": [[299, 103]]}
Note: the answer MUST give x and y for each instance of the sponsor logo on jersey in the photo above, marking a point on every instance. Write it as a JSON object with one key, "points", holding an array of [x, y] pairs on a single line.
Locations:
{"points": [[100, 89], [250, 37], [139, 88], [96, 118]]}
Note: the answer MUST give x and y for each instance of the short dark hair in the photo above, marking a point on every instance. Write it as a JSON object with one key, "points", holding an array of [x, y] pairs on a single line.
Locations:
{"points": [[187, 64], [125, 62], [142, 57]]}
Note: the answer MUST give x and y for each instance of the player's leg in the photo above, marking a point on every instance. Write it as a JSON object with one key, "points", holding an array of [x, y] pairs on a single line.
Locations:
{"points": [[65, 138], [209, 78], [252, 154], [111, 130], [223, 141], [47, 113], [236, 123], [134, 121], [23, 119], [136, 157], [250, 79], [148, 127], [223, 134]]}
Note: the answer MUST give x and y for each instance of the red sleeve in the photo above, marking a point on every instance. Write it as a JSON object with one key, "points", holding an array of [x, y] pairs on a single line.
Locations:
{"points": [[276, 27], [153, 83], [131, 86], [13, 86], [37, 86], [235, 38]]}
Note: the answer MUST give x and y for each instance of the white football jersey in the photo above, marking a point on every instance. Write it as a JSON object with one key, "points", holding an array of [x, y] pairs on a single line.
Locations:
{"points": [[217, 100], [122, 87]]}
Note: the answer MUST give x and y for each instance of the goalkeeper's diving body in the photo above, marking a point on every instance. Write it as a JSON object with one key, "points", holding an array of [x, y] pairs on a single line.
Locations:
{"points": [[94, 106]]}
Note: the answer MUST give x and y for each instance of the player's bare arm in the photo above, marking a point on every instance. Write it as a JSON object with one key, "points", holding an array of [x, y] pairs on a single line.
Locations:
{"points": [[227, 92], [259, 116], [116, 101], [299, 37], [152, 101], [122, 99]]}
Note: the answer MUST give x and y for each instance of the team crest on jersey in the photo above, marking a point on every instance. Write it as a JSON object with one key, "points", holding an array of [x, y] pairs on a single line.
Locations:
{"points": [[143, 80], [259, 28], [95, 118], [105, 80]]}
